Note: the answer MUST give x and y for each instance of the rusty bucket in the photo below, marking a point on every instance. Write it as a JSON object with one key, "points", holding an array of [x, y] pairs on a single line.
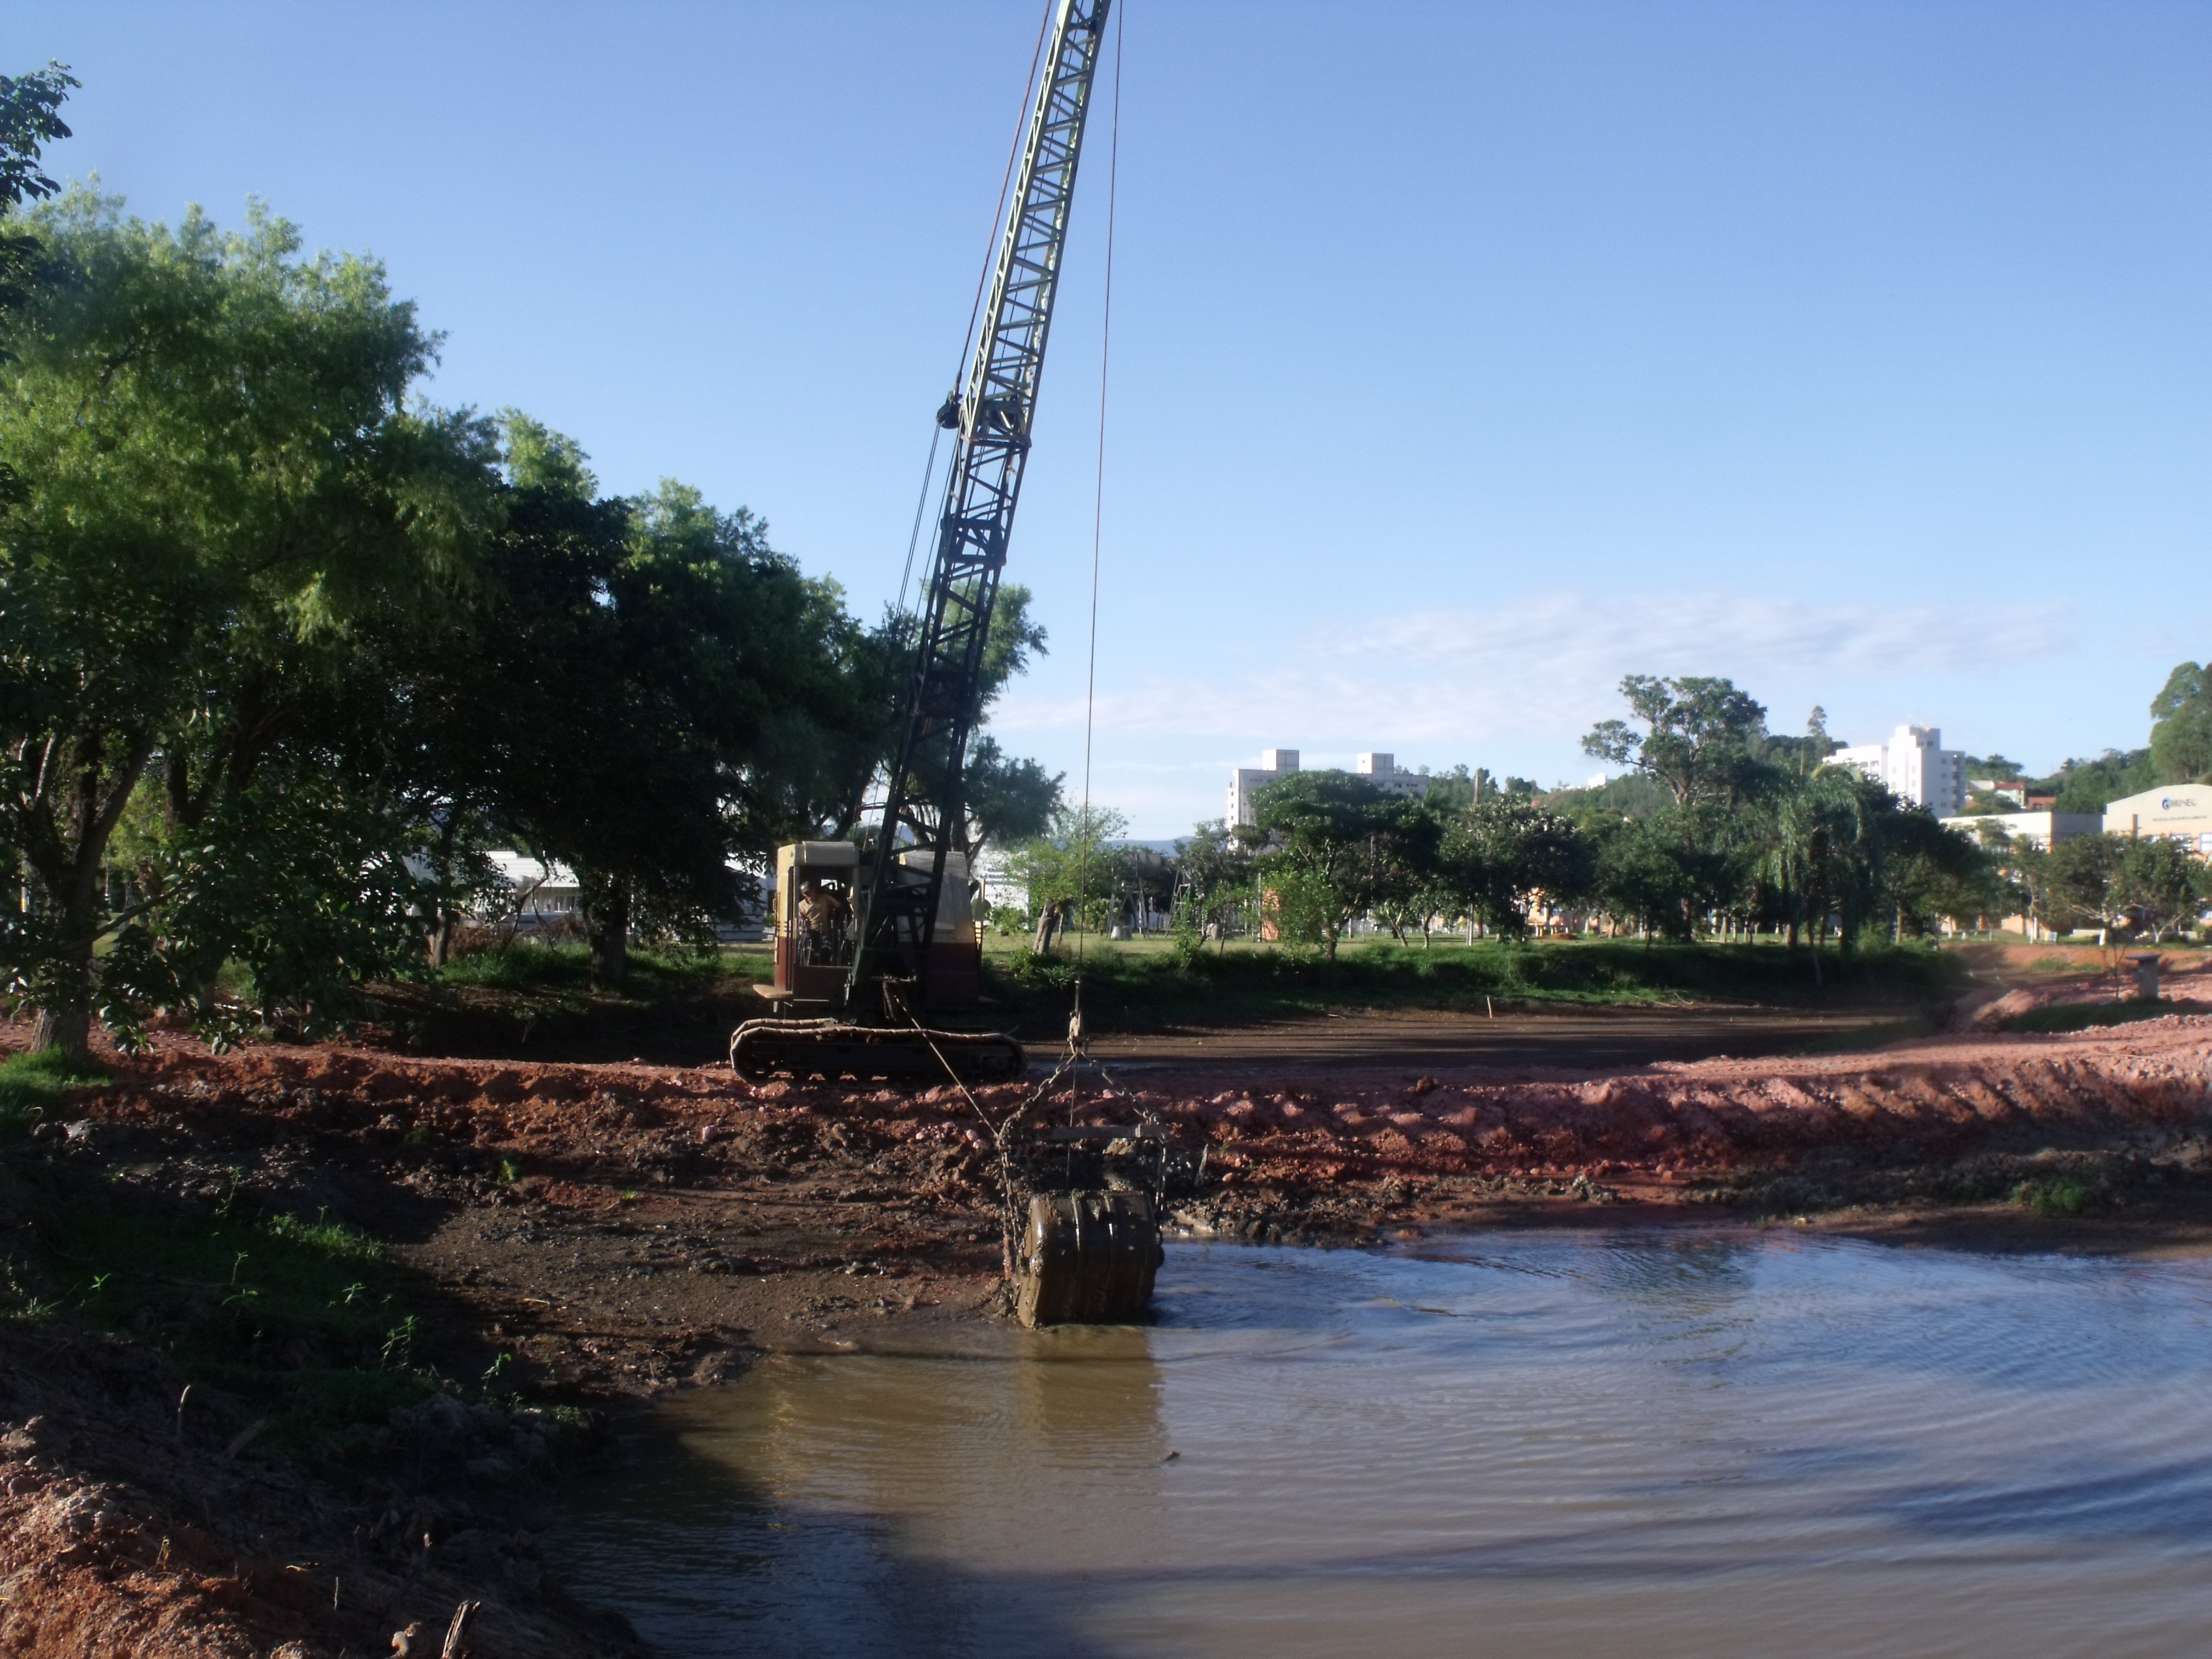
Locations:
{"points": [[1088, 1259]]}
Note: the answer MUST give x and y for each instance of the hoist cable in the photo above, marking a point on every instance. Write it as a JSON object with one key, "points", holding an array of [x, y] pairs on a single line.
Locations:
{"points": [[1098, 510], [914, 540]]}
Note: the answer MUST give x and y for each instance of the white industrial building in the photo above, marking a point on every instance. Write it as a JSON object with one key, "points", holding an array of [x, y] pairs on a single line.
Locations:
{"points": [[1380, 771], [2180, 811], [538, 892], [1914, 766], [2043, 830]]}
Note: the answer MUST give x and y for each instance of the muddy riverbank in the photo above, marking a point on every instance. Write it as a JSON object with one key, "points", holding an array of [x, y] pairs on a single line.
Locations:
{"points": [[513, 1252]]}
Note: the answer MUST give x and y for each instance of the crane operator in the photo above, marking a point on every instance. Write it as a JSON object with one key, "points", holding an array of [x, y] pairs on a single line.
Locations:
{"points": [[824, 917]]}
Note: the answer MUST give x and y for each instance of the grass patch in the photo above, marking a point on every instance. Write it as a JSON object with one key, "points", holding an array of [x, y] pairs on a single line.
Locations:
{"points": [[531, 965], [302, 1321], [2063, 1196], [539, 999], [1150, 979], [32, 1085], [2082, 1015]]}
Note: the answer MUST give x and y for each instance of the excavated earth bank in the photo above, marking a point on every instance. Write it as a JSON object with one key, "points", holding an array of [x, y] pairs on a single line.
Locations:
{"points": [[617, 1231]]}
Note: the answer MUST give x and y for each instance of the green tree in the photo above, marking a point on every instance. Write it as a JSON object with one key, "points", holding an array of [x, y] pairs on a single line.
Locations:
{"points": [[2181, 736], [650, 693], [1333, 843], [1214, 882], [1009, 799], [1824, 853], [2086, 882], [2159, 885], [2090, 786], [1407, 871], [1642, 877], [217, 476], [1077, 866], [1701, 737], [30, 119], [1931, 872], [1501, 855]]}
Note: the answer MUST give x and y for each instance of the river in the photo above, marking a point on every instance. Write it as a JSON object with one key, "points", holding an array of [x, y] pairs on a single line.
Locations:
{"points": [[1714, 1443]]}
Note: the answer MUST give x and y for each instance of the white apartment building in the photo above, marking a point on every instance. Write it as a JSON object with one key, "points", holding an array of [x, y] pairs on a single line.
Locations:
{"points": [[1914, 766], [1379, 769]]}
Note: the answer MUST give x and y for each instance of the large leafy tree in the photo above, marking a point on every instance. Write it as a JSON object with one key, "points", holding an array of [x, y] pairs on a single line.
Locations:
{"points": [[649, 692], [2181, 735], [30, 119], [1643, 877], [2084, 875], [2161, 885], [1333, 843], [1213, 879], [1077, 866], [216, 475], [1700, 736], [1009, 799], [1931, 871], [1503, 852]]}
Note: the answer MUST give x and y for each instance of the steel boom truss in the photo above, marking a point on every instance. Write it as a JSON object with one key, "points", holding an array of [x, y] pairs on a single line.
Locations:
{"points": [[925, 802]]}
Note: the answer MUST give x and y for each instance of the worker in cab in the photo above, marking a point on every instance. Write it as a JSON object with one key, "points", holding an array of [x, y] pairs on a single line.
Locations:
{"points": [[824, 915]]}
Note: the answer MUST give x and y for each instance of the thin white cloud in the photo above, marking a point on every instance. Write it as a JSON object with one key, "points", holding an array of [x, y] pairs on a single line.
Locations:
{"points": [[1545, 663]]}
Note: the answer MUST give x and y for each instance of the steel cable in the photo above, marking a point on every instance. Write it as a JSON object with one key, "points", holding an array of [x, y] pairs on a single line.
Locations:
{"points": [[1097, 522]]}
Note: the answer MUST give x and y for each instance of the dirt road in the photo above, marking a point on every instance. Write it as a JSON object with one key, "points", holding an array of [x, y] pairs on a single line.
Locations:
{"points": [[1513, 1036]]}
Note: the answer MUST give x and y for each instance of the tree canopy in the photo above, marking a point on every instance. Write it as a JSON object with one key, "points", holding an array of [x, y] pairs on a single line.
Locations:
{"points": [[2181, 733], [284, 649]]}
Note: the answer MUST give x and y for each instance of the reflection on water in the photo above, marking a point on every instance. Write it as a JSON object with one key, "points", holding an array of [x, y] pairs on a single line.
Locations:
{"points": [[1722, 1443]]}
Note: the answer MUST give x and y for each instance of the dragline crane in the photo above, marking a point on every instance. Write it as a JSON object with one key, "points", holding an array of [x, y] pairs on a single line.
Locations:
{"points": [[875, 939]]}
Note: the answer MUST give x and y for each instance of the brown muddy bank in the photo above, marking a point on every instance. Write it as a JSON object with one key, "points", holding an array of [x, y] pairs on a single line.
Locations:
{"points": [[614, 1231]]}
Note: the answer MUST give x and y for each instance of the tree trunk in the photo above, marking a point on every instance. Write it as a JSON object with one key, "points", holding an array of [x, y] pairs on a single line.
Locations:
{"points": [[64, 1020], [68, 869], [611, 937], [67, 1030]]}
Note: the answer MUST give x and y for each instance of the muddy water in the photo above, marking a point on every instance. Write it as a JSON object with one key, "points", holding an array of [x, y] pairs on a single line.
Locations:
{"points": [[1710, 1444]]}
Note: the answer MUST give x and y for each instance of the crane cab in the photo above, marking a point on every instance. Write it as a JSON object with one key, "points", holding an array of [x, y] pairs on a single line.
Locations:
{"points": [[818, 897]]}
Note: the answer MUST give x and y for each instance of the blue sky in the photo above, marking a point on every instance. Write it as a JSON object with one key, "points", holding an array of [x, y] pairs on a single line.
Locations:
{"points": [[1466, 357]]}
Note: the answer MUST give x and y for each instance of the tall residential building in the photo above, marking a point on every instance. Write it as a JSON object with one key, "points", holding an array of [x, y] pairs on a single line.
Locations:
{"points": [[1914, 766], [1248, 780], [1379, 769]]}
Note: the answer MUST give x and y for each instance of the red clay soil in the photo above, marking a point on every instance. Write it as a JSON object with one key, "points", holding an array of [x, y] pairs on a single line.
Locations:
{"points": [[622, 1230]]}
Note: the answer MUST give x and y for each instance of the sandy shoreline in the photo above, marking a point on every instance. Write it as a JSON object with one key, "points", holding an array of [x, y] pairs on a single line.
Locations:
{"points": [[621, 1230]]}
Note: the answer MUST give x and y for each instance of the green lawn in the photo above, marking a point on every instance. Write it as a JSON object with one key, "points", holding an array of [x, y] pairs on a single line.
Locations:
{"points": [[1148, 981], [535, 1000]]}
